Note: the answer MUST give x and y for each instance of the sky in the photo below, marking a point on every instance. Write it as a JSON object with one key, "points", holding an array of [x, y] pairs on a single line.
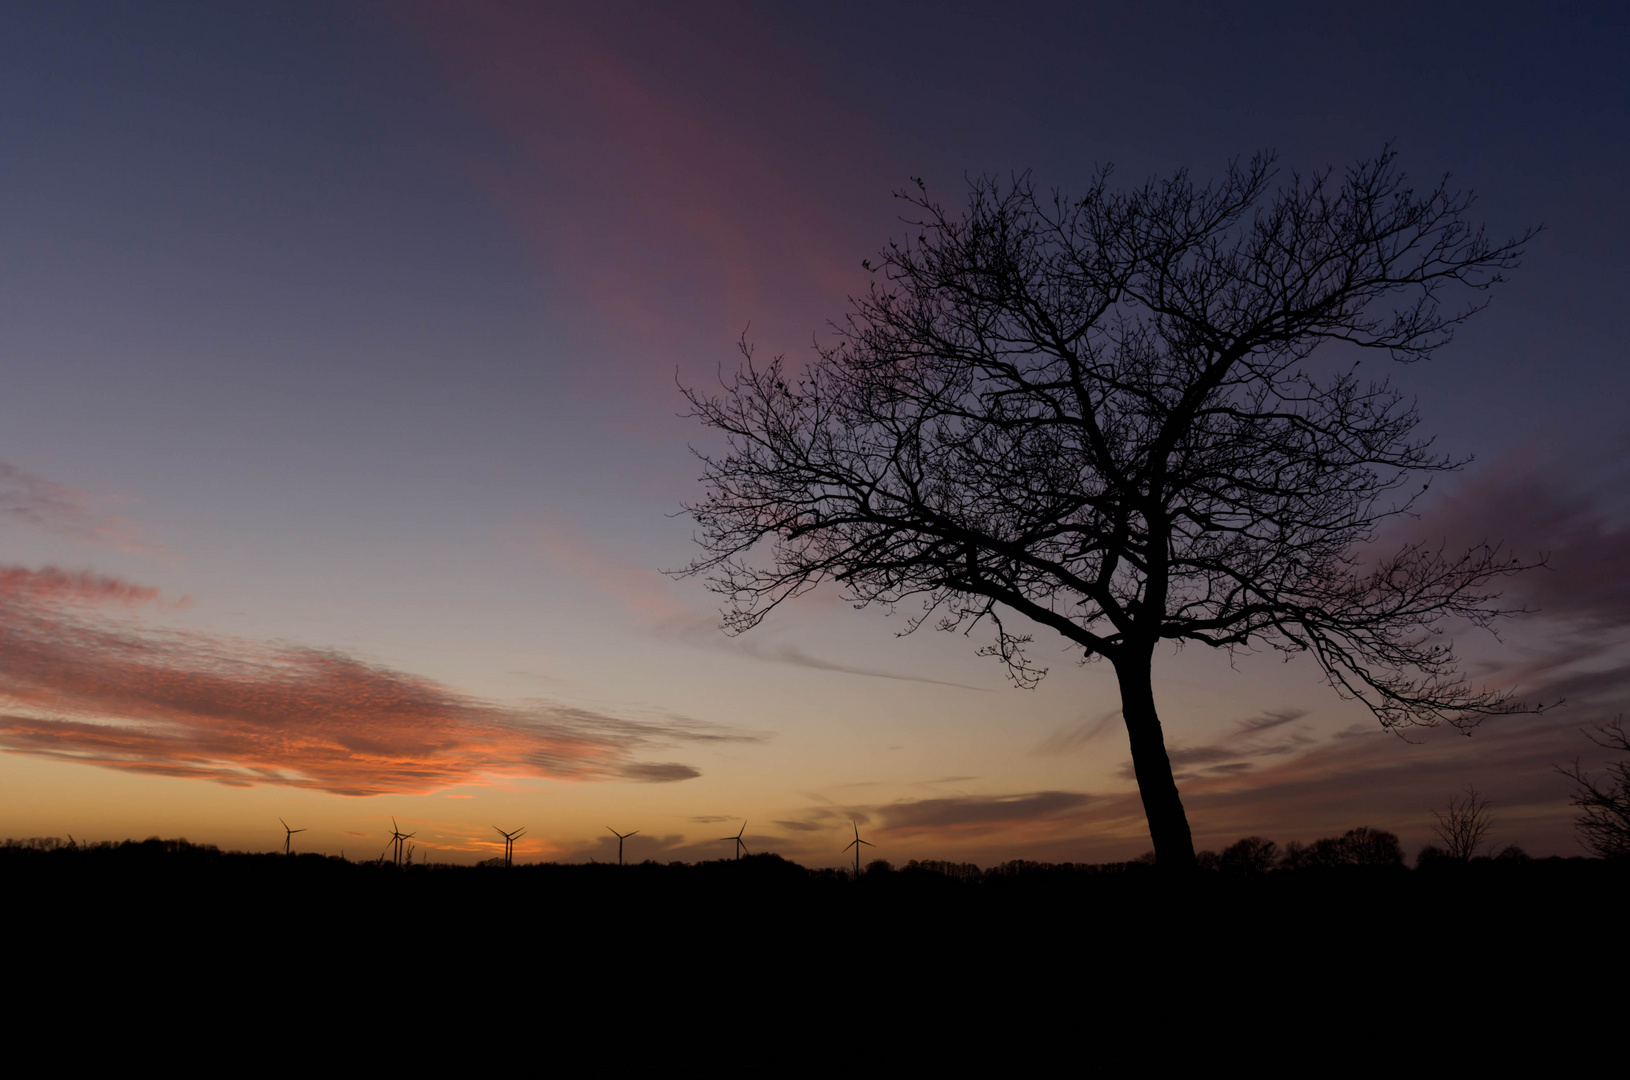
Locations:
{"points": [[343, 450]]}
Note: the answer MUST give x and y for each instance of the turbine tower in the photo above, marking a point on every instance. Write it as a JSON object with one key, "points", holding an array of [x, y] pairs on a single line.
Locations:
{"points": [[288, 835], [398, 838], [741, 846], [855, 843], [621, 836], [509, 843]]}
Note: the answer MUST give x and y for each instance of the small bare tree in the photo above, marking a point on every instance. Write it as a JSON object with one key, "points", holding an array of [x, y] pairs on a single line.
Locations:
{"points": [[1604, 823], [1132, 418], [1463, 825]]}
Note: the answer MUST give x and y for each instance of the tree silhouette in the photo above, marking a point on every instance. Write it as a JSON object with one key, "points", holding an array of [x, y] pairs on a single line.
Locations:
{"points": [[1604, 824], [1363, 846], [1252, 855], [1463, 825], [1131, 417]]}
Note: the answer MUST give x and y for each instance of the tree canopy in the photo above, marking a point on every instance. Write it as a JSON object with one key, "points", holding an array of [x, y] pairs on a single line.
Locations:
{"points": [[1129, 416]]}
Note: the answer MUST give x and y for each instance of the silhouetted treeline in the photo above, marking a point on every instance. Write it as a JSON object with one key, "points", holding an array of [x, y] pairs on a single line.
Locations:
{"points": [[188, 927], [1361, 851]]}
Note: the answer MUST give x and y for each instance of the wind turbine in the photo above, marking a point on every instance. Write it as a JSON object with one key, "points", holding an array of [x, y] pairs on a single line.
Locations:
{"points": [[740, 845], [289, 835], [621, 836], [398, 838], [855, 843], [509, 842]]}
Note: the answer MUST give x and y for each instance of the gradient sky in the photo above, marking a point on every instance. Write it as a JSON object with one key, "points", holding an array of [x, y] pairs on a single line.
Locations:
{"points": [[341, 446]]}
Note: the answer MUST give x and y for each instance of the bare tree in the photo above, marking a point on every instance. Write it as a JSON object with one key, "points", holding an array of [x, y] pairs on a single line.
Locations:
{"points": [[1130, 417], [1604, 823], [1463, 825]]}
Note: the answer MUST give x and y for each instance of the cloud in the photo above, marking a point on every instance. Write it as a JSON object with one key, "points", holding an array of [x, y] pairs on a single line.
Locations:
{"points": [[649, 596], [1361, 776], [1238, 750], [1571, 642], [32, 500], [1270, 720], [1370, 777], [791, 654], [674, 171], [51, 585], [79, 684], [1071, 740], [980, 812], [658, 773], [1570, 513]]}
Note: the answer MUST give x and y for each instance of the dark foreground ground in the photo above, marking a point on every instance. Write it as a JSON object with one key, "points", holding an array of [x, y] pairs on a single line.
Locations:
{"points": [[194, 931]]}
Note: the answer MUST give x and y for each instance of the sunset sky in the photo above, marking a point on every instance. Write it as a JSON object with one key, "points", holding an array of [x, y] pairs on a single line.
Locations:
{"points": [[341, 451]]}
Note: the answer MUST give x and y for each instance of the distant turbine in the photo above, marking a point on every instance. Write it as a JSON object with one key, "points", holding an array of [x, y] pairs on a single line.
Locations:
{"points": [[509, 842], [740, 845], [398, 838], [288, 835], [621, 836], [855, 843]]}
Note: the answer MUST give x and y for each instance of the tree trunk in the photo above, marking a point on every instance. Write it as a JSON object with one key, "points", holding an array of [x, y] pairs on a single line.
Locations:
{"points": [[1168, 825]]}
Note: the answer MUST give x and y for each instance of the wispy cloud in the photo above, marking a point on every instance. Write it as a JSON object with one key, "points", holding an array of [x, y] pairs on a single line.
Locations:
{"points": [[28, 499], [982, 813], [1269, 720], [78, 683], [670, 167], [1576, 516], [1071, 740], [1572, 513], [652, 599], [1361, 776], [1007, 818]]}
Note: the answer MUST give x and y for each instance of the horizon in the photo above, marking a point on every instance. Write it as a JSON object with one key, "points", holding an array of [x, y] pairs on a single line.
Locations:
{"points": [[343, 450]]}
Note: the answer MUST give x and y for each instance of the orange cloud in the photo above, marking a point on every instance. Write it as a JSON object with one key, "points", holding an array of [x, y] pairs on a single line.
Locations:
{"points": [[51, 585], [79, 685]]}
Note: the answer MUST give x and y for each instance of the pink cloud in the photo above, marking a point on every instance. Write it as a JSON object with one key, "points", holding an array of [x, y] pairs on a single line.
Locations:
{"points": [[82, 686], [45, 504], [642, 591], [673, 171], [653, 599], [1567, 511]]}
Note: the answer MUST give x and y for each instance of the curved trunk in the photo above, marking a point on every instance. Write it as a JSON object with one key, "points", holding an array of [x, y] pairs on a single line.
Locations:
{"points": [[1168, 824]]}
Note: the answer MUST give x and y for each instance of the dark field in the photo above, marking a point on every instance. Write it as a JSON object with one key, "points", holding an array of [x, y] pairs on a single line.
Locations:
{"points": [[759, 959], [179, 906]]}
